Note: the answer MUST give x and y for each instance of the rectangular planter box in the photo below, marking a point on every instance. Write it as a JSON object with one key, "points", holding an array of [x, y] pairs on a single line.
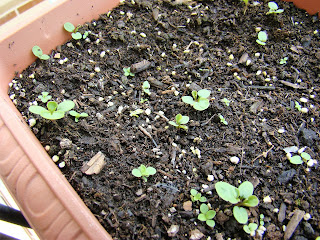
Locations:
{"points": [[47, 200], [51, 206]]}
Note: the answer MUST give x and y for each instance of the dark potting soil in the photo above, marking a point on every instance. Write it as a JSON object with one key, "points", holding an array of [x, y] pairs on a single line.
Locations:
{"points": [[184, 46]]}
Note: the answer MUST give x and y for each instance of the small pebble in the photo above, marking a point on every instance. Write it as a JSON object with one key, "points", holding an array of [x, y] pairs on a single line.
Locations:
{"points": [[62, 164], [267, 199], [210, 178], [55, 158], [234, 160]]}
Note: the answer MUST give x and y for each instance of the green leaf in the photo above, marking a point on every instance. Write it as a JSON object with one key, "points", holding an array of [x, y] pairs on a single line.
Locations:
{"points": [[76, 35], [85, 35], [262, 36], [44, 57], [143, 170], [203, 199], [197, 197], [247, 229], [136, 172], [245, 189], [173, 124], [151, 170], [202, 104], [211, 214], [184, 120], [36, 50], [204, 208], [305, 156], [194, 94], [183, 127], [193, 192], [204, 93], [37, 109], [202, 217], [66, 105], [273, 5], [210, 223], [296, 160], [146, 84], [227, 192], [74, 113], [52, 106], [68, 26], [52, 116], [178, 118], [251, 201], [261, 43], [188, 100], [240, 214]]}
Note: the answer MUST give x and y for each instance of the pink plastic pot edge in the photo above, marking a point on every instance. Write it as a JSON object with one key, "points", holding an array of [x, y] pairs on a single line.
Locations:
{"points": [[47, 200]]}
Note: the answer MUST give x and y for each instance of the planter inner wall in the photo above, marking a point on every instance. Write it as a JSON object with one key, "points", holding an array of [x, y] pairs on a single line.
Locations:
{"points": [[49, 203]]}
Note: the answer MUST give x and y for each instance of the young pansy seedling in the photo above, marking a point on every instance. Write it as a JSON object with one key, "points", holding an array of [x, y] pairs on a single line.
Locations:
{"points": [[207, 215], [44, 97], [77, 115], [273, 8], [143, 172], [196, 196], [146, 87], [199, 100], [262, 37], [180, 121], [54, 111], [136, 112], [250, 228], [37, 51], [223, 120], [226, 102], [127, 72], [69, 27], [283, 60], [241, 196]]}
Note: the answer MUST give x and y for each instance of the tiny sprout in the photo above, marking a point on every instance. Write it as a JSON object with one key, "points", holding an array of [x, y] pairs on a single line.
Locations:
{"points": [[45, 97], [283, 60], [146, 87], [180, 121], [245, 1], [207, 215], [143, 172], [136, 113], [226, 102], [37, 51], [262, 38], [297, 106], [54, 111], [69, 27], [78, 115], [127, 72], [196, 196], [223, 120], [273, 8], [296, 159], [199, 100], [250, 228], [241, 196]]}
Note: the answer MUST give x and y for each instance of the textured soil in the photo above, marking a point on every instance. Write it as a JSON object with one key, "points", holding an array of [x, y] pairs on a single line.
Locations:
{"points": [[190, 45]]}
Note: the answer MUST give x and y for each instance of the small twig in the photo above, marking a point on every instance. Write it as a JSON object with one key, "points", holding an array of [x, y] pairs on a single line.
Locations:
{"points": [[148, 135], [163, 116], [264, 154]]}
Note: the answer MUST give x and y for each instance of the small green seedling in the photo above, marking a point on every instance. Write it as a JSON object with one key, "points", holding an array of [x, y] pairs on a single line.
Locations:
{"points": [[77, 115], [273, 8], [69, 27], [199, 100], [283, 60], [297, 106], [146, 87], [245, 1], [241, 196], [262, 37], [207, 215], [136, 113], [37, 51], [296, 159], [142, 100], [223, 120], [143, 172], [250, 228], [44, 97], [226, 102], [196, 196], [180, 121], [127, 72], [54, 111]]}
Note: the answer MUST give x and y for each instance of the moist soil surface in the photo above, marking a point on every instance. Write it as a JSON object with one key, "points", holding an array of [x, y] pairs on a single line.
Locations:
{"points": [[182, 46]]}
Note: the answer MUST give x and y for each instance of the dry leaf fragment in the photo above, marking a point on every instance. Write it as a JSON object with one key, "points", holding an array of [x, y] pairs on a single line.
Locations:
{"points": [[187, 206], [95, 165]]}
